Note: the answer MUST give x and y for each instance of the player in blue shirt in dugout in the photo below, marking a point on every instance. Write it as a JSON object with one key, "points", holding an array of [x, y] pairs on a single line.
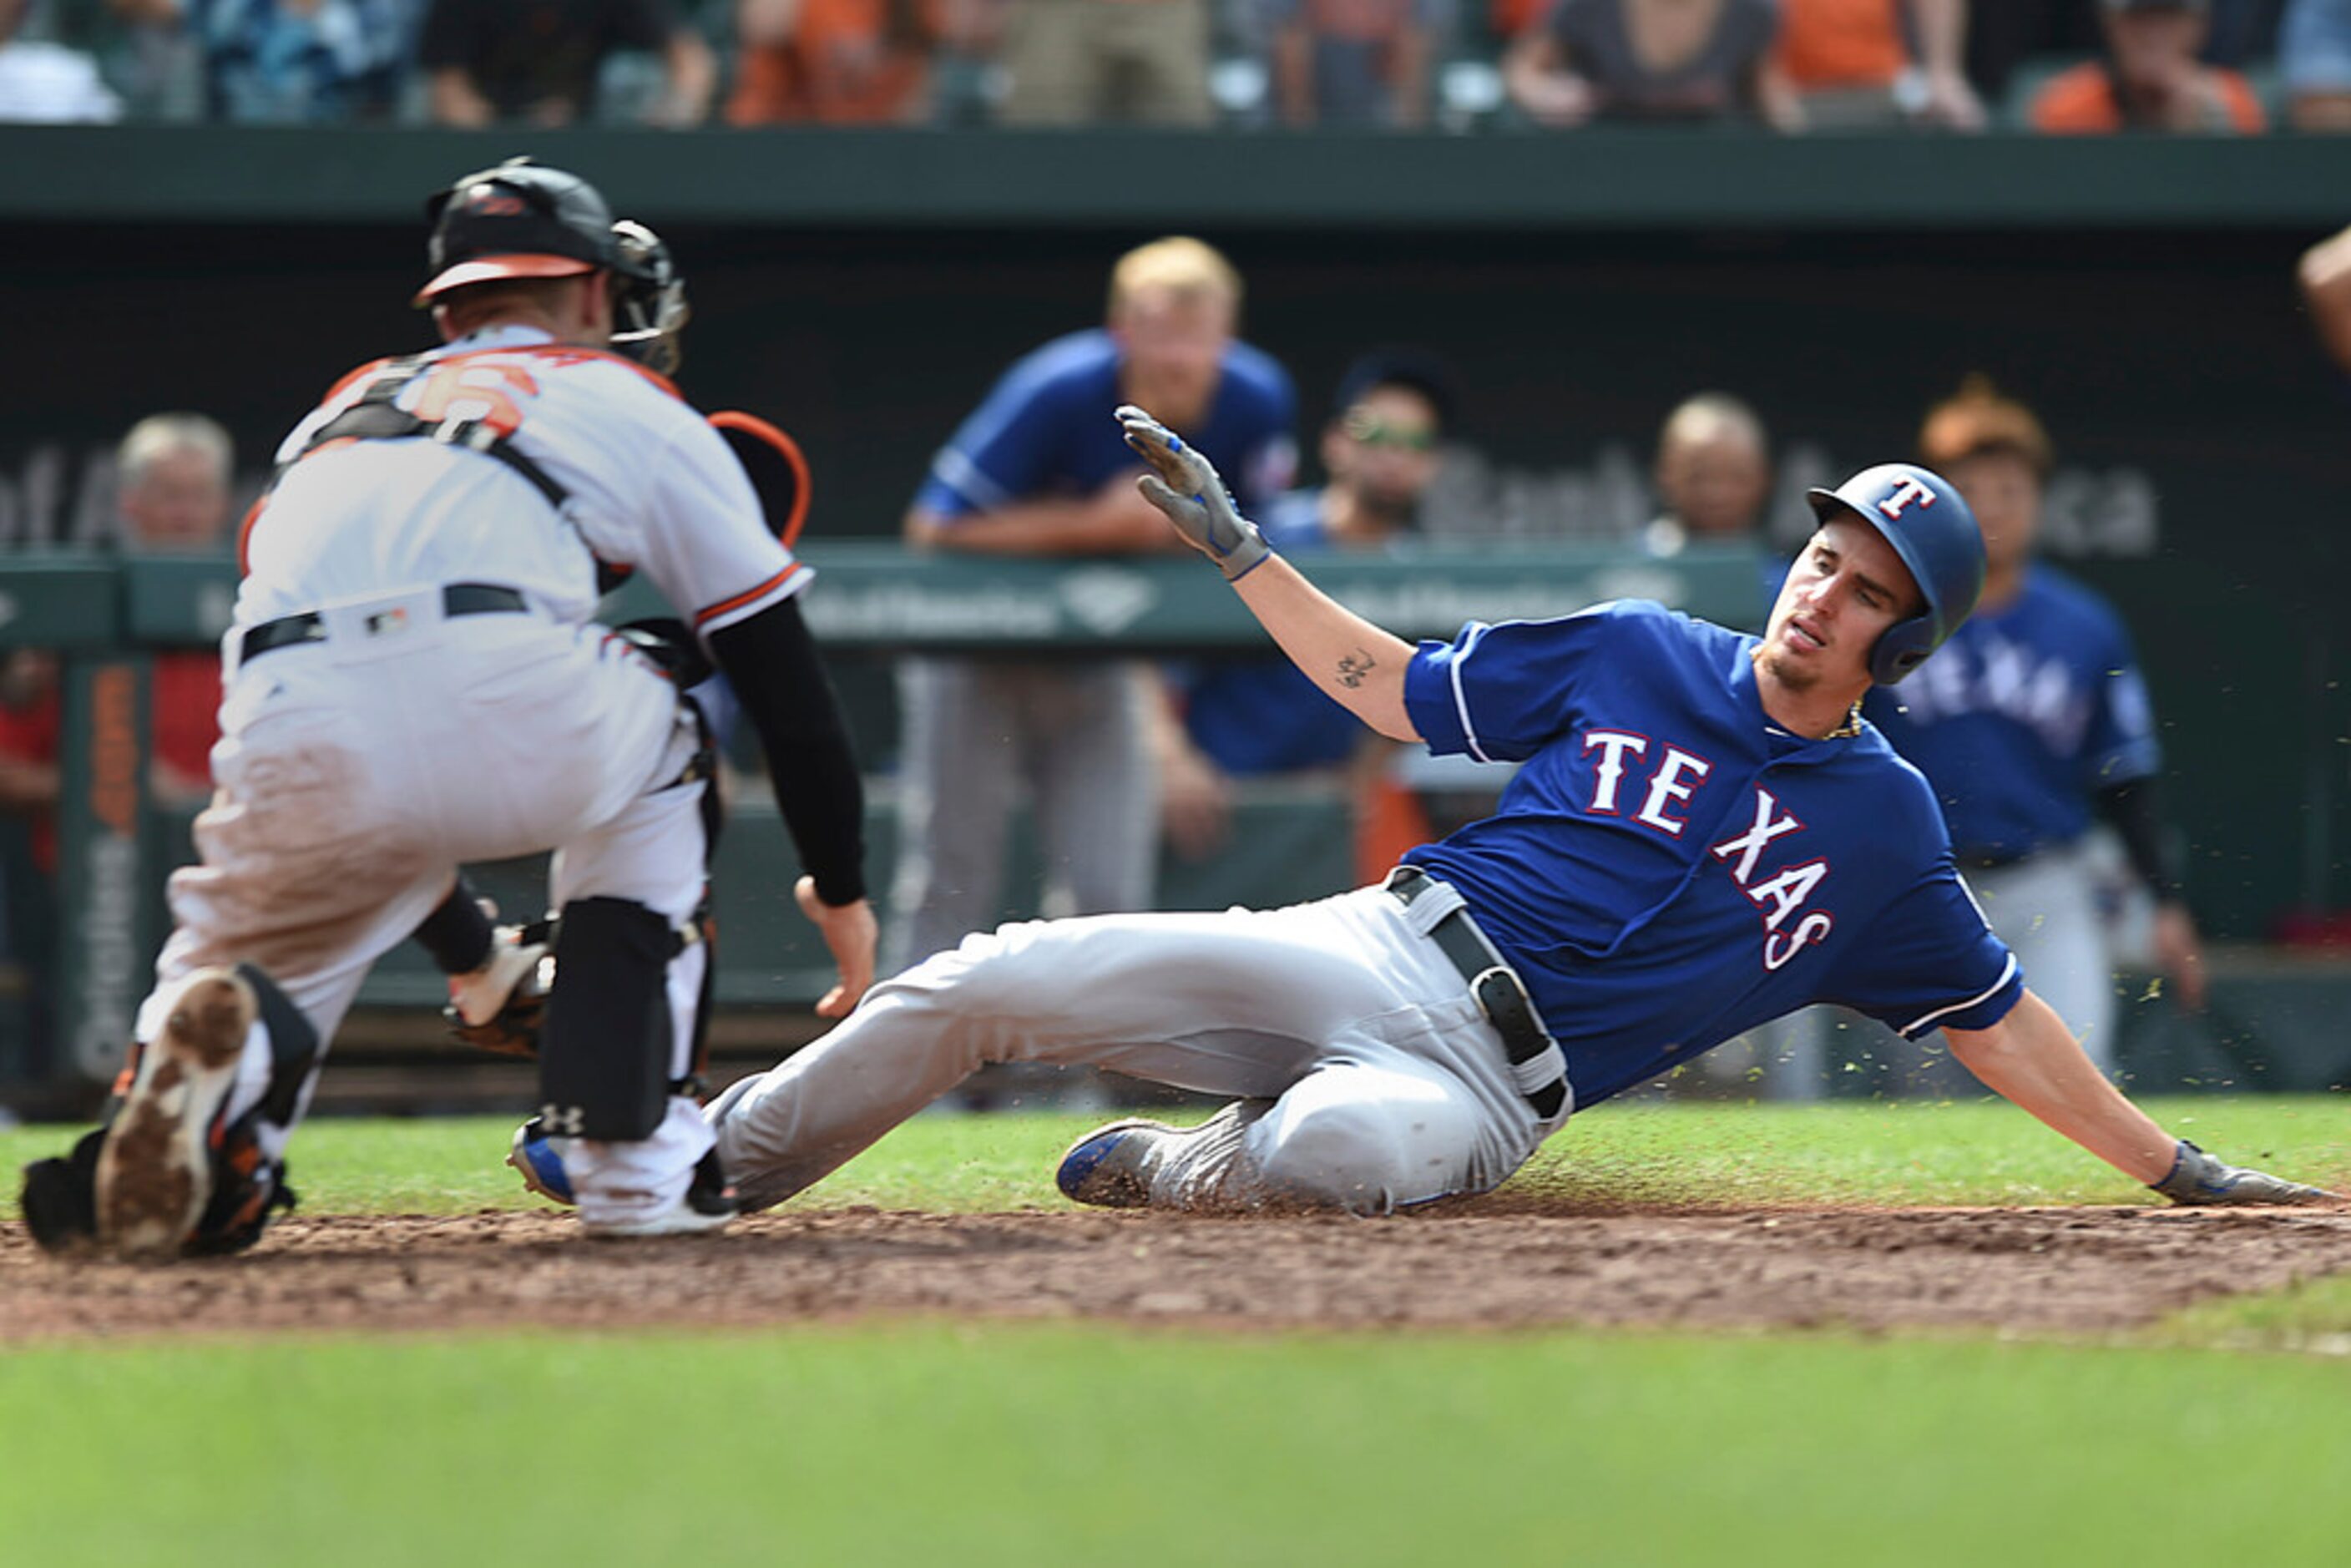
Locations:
{"points": [[1260, 716], [1037, 470], [2033, 725], [1704, 834]]}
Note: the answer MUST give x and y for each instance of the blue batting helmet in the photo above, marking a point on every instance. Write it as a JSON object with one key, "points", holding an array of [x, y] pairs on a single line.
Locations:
{"points": [[1918, 512]]}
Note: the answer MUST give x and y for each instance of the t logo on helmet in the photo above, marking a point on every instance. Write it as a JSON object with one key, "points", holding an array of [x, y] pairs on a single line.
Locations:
{"points": [[1911, 489]]}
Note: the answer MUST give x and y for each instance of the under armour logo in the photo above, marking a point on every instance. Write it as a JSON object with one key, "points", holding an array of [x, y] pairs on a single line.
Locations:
{"points": [[1909, 490], [562, 1121]]}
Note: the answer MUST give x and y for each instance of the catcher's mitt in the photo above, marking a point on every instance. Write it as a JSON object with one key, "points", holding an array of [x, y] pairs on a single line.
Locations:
{"points": [[499, 1008]]}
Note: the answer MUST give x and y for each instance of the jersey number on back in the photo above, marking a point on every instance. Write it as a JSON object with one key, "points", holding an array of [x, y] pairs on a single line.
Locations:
{"points": [[473, 393]]}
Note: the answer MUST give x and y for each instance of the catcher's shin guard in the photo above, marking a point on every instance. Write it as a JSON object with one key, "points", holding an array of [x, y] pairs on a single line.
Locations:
{"points": [[604, 1047]]}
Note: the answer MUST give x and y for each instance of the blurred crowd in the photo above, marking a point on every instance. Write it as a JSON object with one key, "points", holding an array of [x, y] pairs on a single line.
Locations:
{"points": [[2059, 66]]}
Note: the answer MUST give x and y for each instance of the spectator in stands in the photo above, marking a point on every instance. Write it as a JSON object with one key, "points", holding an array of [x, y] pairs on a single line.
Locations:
{"points": [[1651, 60], [2007, 37], [1353, 62], [2314, 64], [46, 83], [1251, 718], [1876, 64], [174, 475], [1072, 62], [172, 497], [1713, 476], [294, 62], [29, 786], [2325, 278], [536, 62], [1040, 469], [28, 748], [153, 56], [840, 62], [2032, 723], [2150, 78]]}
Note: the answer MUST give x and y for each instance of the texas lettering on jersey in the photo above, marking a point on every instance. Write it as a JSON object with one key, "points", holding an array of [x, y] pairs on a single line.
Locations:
{"points": [[1673, 778], [1992, 673]]}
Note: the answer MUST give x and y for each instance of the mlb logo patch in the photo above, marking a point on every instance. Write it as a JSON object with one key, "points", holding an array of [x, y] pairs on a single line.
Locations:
{"points": [[387, 620]]}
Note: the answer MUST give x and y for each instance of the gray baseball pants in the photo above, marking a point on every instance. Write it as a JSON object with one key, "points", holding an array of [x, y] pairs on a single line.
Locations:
{"points": [[1388, 1086], [977, 733]]}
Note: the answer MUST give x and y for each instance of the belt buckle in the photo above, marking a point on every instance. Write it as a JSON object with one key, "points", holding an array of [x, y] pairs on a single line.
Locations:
{"points": [[1502, 997]]}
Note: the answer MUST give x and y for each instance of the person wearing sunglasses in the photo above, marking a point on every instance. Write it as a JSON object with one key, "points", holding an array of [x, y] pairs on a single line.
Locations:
{"points": [[1240, 718]]}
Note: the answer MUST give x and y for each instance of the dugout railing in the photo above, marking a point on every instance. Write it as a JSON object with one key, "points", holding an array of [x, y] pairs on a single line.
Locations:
{"points": [[106, 617], [2272, 1024]]}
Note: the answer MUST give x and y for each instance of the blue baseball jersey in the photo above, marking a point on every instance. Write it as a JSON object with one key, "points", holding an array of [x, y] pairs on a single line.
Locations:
{"points": [[1264, 715], [1046, 430], [1668, 868], [2022, 717]]}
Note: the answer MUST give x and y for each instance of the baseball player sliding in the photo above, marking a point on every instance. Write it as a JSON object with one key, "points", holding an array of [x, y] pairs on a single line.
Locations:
{"points": [[1704, 835], [413, 682]]}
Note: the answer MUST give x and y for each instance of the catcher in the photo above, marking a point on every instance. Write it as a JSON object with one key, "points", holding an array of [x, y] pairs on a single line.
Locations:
{"points": [[413, 682]]}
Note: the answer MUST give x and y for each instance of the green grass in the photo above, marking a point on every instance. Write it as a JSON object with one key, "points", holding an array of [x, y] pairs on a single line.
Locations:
{"points": [[927, 1443], [2216, 1438], [1842, 1152]]}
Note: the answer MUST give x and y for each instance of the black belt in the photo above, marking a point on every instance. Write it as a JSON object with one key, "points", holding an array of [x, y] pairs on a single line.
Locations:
{"points": [[456, 598], [1500, 992]]}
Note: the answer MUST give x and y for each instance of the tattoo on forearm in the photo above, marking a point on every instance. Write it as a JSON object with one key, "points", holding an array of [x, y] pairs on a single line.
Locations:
{"points": [[1354, 667]]}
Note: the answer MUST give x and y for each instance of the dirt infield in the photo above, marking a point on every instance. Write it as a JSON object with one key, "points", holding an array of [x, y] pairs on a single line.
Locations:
{"points": [[1491, 1264]]}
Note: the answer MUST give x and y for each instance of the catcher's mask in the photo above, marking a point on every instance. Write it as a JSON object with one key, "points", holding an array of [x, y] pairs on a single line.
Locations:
{"points": [[649, 307], [522, 220]]}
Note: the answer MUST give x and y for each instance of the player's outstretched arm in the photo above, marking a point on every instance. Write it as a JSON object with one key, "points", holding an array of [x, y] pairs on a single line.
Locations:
{"points": [[1360, 665], [2031, 1059], [782, 682]]}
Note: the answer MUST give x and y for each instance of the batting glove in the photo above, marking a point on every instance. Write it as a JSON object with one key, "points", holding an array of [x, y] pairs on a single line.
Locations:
{"points": [[2196, 1177], [1184, 483]]}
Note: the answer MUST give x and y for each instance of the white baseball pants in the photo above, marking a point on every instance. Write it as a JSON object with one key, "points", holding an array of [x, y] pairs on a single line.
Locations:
{"points": [[979, 733], [355, 774]]}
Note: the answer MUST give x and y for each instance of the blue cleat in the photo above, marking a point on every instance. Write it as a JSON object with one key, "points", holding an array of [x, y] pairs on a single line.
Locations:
{"points": [[1112, 1166], [533, 1157], [707, 1203]]}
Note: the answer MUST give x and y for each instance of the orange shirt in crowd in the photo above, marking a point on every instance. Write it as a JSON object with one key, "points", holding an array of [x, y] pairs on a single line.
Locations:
{"points": [[2082, 102], [1512, 18], [804, 77], [1841, 43]]}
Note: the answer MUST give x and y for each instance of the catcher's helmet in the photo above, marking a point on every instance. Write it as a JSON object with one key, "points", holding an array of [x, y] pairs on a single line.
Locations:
{"points": [[523, 220], [1927, 521]]}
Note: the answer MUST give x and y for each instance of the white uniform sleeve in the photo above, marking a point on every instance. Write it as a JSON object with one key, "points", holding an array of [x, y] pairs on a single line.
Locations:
{"points": [[705, 543]]}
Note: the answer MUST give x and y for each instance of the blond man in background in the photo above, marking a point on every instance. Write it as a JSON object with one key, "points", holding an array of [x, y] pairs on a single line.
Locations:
{"points": [[1040, 469]]}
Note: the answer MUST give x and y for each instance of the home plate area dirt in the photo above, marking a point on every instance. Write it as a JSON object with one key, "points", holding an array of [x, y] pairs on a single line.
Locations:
{"points": [[1493, 1263]]}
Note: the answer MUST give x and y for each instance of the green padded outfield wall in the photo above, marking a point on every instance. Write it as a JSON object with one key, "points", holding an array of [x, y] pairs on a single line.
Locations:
{"points": [[863, 290]]}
